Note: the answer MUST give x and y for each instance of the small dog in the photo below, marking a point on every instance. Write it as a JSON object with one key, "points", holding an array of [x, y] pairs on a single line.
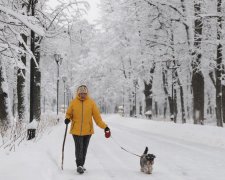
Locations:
{"points": [[147, 161]]}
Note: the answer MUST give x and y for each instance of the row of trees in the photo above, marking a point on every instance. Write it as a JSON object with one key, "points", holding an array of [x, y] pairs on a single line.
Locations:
{"points": [[161, 58], [160, 54], [27, 28]]}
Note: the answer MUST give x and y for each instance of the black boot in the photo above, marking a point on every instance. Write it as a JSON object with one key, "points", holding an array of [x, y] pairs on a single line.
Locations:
{"points": [[80, 170]]}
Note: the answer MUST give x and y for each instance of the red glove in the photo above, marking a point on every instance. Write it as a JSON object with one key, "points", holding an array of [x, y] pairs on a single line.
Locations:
{"points": [[107, 132]]}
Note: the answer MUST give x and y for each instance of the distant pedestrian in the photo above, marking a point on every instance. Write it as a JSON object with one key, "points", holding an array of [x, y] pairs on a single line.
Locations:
{"points": [[80, 113]]}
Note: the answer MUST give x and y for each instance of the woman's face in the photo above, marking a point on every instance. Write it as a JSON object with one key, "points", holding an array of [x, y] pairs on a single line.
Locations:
{"points": [[82, 96]]}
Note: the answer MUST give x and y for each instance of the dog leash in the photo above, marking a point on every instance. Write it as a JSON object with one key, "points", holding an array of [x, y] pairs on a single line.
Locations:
{"points": [[124, 148]]}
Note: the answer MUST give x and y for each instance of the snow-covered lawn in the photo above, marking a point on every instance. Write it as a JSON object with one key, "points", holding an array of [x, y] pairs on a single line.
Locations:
{"points": [[183, 152]]}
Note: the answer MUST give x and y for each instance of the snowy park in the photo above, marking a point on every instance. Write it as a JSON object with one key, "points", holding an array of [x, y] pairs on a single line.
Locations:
{"points": [[112, 89]]}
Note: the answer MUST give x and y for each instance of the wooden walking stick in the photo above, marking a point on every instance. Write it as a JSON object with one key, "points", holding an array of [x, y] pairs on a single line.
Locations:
{"points": [[64, 140]]}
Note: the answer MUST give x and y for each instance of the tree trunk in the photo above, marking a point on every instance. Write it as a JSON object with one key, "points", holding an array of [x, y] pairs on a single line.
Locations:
{"points": [[197, 76], [35, 75], [32, 73], [198, 97], [35, 78], [37, 87], [140, 108], [156, 108], [131, 104], [175, 105], [148, 98], [165, 87], [182, 104], [35, 99], [14, 98], [21, 86], [165, 108], [181, 99], [219, 69], [174, 78], [148, 92], [223, 102], [174, 94], [4, 106]]}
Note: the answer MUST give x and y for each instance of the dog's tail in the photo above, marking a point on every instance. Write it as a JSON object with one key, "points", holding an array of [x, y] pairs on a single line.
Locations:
{"points": [[146, 150]]}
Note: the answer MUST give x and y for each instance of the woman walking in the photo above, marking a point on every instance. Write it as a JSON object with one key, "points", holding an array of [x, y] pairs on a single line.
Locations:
{"points": [[80, 113]]}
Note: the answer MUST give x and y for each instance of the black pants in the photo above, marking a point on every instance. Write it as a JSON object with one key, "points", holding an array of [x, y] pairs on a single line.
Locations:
{"points": [[81, 145]]}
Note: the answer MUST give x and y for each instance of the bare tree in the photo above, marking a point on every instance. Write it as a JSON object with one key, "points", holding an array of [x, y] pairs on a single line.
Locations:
{"points": [[197, 76], [219, 67], [148, 90], [4, 110]]}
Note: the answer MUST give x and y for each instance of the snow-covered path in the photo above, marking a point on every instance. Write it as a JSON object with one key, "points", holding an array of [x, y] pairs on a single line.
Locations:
{"points": [[179, 158]]}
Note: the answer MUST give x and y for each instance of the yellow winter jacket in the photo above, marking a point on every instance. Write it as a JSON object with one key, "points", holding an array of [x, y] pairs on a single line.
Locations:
{"points": [[80, 113]]}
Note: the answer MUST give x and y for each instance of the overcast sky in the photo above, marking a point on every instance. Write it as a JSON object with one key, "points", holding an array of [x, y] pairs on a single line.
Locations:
{"points": [[93, 13]]}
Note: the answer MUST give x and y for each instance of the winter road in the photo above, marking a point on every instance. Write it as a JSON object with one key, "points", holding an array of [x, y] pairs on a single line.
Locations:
{"points": [[176, 158]]}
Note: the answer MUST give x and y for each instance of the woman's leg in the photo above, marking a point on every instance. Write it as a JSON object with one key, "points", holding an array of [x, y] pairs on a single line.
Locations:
{"points": [[85, 147], [79, 143]]}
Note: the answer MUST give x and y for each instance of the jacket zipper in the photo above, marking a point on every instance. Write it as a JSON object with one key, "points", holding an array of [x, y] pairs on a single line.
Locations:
{"points": [[82, 118]]}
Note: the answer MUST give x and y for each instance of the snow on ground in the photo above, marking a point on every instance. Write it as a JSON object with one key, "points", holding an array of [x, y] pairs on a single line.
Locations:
{"points": [[183, 152]]}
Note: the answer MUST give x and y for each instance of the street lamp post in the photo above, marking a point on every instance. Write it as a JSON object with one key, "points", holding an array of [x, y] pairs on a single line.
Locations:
{"points": [[68, 95], [135, 96], [44, 104], [64, 78], [58, 60], [123, 102]]}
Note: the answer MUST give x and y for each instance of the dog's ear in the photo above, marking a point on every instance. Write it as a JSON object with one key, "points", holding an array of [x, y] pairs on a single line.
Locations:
{"points": [[146, 150]]}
